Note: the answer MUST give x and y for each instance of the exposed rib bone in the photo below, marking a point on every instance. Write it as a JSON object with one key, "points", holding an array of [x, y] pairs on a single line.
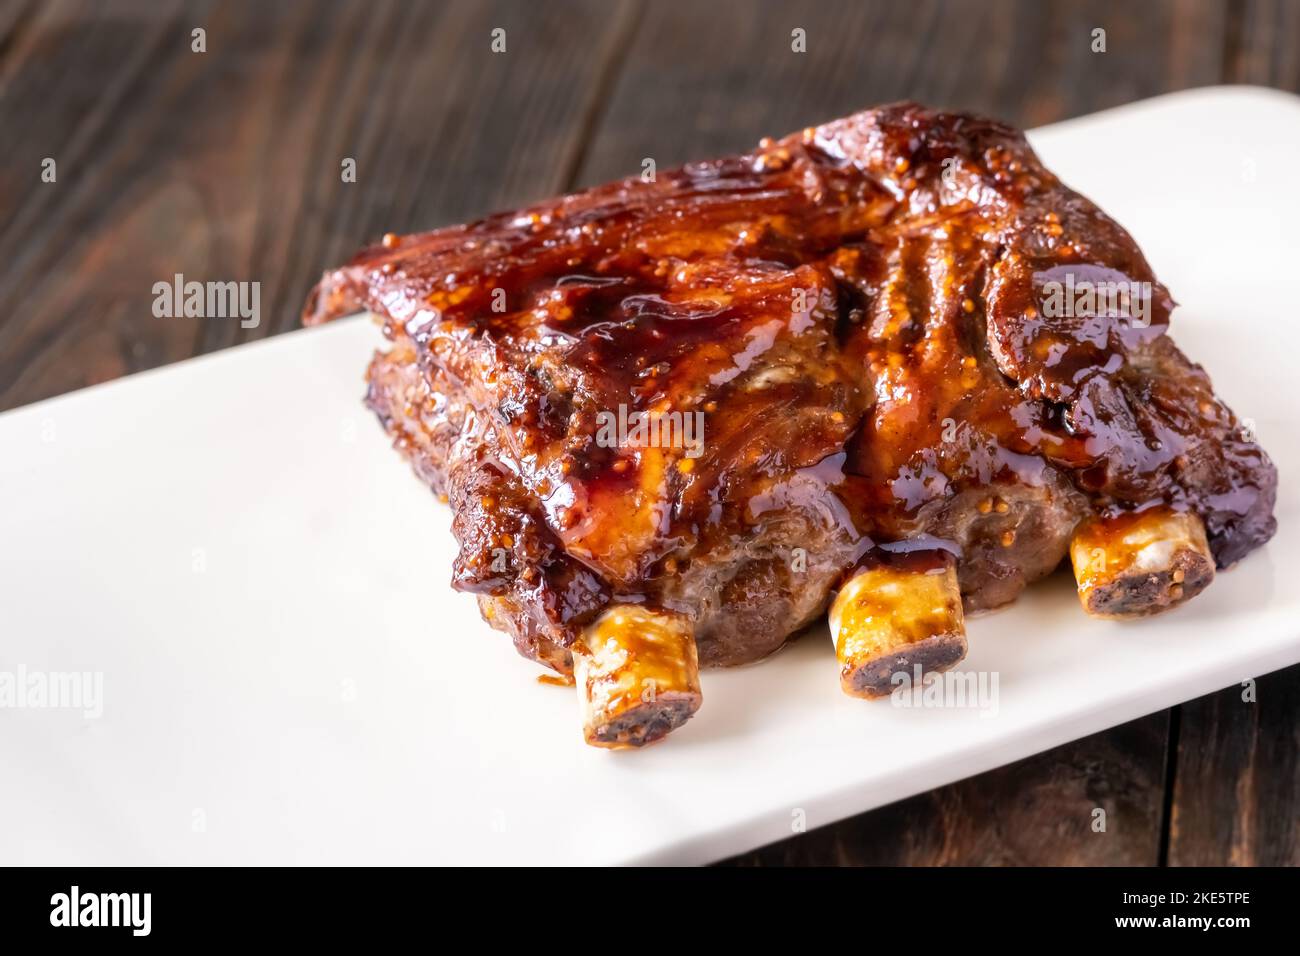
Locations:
{"points": [[900, 611], [1140, 563], [637, 674]]}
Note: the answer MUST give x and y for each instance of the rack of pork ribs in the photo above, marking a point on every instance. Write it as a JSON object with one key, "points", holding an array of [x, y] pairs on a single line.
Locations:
{"points": [[900, 416]]}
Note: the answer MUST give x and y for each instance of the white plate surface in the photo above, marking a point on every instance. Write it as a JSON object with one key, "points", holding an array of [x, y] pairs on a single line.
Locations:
{"points": [[288, 677]]}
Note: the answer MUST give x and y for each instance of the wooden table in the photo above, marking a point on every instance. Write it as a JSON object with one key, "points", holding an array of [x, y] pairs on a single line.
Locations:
{"points": [[226, 164]]}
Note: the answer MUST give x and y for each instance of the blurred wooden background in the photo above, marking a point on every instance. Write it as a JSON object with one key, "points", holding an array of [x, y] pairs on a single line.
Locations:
{"points": [[225, 164]]}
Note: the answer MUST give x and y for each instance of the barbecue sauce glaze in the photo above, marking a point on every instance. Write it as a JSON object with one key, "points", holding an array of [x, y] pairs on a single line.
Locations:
{"points": [[859, 313]]}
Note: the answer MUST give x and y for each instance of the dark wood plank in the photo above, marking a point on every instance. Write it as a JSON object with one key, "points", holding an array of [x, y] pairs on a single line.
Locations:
{"points": [[704, 79], [1236, 797], [15, 17], [225, 165], [1037, 812], [1264, 44]]}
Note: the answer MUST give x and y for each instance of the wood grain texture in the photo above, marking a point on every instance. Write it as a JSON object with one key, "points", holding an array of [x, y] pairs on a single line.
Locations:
{"points": [[1236, 796], [225, 165], [705, 79], [1264, 44]]}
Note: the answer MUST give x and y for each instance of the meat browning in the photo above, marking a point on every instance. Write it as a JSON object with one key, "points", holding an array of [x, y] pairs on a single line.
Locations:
{"points": [[718, 395]]}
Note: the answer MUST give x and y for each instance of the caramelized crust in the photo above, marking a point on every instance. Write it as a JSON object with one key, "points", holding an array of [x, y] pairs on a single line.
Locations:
{"points": [[858, 315]]}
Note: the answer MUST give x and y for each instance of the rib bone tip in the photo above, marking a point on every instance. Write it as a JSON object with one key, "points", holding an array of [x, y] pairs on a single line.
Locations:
{"points": [[1140, 563], [895, 615], [637, 674]]}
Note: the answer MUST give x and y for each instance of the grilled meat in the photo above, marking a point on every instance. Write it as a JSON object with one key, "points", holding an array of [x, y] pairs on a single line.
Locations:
{"points": [[892, 343]]}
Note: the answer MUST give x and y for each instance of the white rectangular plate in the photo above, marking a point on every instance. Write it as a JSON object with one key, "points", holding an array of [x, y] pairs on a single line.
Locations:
{"points": [[288, 678]]}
